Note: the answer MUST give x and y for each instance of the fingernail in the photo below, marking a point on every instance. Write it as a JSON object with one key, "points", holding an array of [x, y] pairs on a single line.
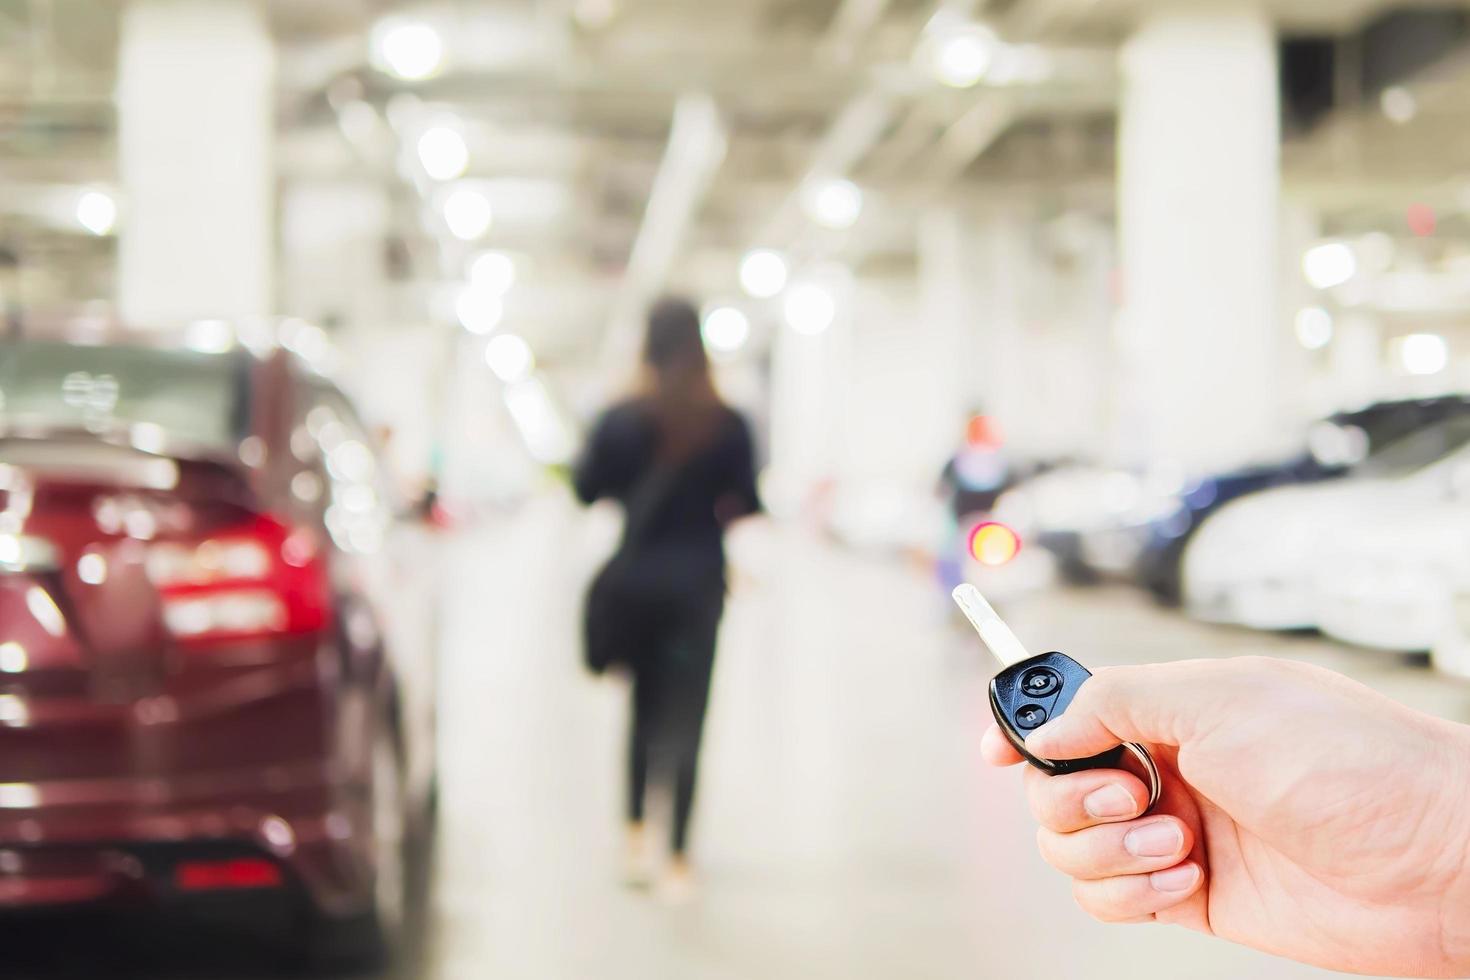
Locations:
{"points": [[1180, 879], [1111, 800], [1154, 840]]}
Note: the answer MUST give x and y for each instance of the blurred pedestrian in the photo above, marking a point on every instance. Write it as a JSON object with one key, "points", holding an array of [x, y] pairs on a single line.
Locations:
{"points": [[681, 464]]}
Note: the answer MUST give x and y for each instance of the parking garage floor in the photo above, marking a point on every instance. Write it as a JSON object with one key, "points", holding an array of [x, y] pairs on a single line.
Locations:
{"points": [[846, 827]]}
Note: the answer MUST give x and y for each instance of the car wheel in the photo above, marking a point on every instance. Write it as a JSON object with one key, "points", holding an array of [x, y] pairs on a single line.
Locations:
{"points": [[371, 939]]}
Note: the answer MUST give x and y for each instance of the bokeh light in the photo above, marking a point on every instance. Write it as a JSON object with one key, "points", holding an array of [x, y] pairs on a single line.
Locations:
{"points": [[763, 273], [408, 49], [468, 214], [1329, 264], [479, 310], [97, 212], [835, 203], [443, 152], [725, 329], [962, 59], [510, 358], [809, 308], [1314, 327], [993, 543], [495, 271]]}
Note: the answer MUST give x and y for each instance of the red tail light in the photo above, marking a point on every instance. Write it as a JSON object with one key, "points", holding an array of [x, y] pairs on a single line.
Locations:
{"points": [[992, 543], [235, 875], [260, 579]]}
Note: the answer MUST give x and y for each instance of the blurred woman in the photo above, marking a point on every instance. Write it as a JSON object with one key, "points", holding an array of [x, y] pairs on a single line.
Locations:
{"points": [[680, 463]]}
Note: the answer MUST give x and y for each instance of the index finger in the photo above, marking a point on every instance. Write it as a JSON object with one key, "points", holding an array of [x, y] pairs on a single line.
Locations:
{"points": [[996, 750]]}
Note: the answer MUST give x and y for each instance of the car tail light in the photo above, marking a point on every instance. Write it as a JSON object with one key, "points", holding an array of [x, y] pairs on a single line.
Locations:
{"points": [[259, 579], [234, 875], [993, 543]]}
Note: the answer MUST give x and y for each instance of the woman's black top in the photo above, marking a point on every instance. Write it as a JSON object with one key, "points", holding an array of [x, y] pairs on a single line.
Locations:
{"points": [[677, 510]]}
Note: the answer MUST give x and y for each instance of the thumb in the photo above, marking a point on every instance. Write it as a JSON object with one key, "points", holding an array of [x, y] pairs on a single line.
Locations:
{"points": [[1158, 703]]}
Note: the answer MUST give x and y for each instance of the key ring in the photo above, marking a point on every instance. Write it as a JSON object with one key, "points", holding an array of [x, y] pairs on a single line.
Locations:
{"points": [[1151, 769]]}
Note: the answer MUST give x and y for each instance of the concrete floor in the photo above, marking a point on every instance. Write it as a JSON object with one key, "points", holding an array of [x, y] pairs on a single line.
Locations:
{"points": [[846, 827]]}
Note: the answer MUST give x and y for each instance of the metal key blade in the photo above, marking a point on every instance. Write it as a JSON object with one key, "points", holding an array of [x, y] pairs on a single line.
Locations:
{"points": [[992, 629]]}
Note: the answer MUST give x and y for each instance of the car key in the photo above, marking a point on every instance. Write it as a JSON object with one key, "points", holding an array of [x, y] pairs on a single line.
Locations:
{"points": [[1029, 691]]}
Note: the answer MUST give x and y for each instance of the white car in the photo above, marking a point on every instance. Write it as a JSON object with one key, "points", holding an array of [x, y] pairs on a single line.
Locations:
{"points": [[1389, 581], [1094, 519], [1257, 562]]}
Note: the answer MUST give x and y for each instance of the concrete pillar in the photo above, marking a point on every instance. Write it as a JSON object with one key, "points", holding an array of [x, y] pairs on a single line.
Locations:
{"points": [[195, 131], [805, 374], [1198, 185]]}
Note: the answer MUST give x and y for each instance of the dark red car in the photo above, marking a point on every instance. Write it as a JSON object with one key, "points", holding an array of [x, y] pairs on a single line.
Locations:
{"points": [[216, 681]]}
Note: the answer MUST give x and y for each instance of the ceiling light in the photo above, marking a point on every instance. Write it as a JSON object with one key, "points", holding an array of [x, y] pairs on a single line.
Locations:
{"points": [[763, 273], [1423, 353], [494, 271], [809, 308], [1398, 104], [443, 153], [479, 310], [510, 358], [468, 214], [1329, 264], [834, 203], [961, 59], [725, 329], [408, 49], [210, 336], [97, 212], [1314, 327]]}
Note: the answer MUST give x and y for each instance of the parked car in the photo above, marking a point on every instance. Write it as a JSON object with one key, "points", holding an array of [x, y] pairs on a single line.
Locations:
{"points": [[1254, 562], [1390, 581], [1335, 447], [1090, 518], [216, 686]]}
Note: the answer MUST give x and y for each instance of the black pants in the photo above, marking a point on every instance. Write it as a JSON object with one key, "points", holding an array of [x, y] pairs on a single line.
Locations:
{"points": [[670, 693]]}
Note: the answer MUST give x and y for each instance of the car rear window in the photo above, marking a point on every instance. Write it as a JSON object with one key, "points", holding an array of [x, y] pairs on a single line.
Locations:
{"points": [[194, 399], [1414, 452]]}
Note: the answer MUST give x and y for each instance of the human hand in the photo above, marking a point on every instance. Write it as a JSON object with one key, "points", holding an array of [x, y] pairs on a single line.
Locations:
{"points": [[1302, 813]]}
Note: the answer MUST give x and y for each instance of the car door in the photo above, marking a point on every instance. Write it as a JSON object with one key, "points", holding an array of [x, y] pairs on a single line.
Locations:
{"points": [[389, 558]]}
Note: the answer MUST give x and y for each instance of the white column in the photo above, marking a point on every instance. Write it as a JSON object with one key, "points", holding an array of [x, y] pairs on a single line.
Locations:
{"points": [[805, 374], [195, 131], [1199, 179]]}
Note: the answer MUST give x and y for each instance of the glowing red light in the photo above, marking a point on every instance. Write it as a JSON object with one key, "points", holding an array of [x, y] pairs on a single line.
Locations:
{"points": [[235, 875], [1421, 220], [994, 544]]}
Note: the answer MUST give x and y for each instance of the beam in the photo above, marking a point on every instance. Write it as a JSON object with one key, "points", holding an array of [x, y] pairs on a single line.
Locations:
{"points": [[696, 147]]}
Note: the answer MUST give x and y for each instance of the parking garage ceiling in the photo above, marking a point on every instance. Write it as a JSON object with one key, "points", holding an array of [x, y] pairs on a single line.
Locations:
{"points": [[577, 97]]}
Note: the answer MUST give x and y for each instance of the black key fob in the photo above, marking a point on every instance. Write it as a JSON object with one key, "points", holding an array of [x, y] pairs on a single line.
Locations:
{"points": [[1030, 691], [1027, 695]]}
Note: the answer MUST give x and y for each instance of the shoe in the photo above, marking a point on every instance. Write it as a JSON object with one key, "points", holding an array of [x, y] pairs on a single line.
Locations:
{"points": [[677, 888], [637, 858]]}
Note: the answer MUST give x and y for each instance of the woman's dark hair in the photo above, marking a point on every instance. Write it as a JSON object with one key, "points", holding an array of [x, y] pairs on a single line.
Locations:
{"points": [[680, 392], [674, 338]]}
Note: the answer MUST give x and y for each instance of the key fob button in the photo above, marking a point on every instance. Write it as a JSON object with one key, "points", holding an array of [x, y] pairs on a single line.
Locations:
{"points": [[1040, 682], [1030, 716]]}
